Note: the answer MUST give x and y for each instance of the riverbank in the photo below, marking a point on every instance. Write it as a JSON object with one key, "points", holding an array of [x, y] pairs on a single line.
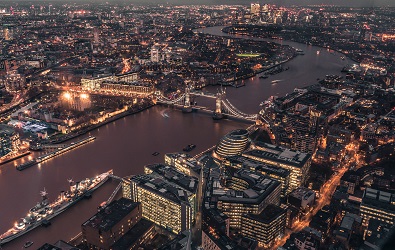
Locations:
{"points": [[233, 82], [92, 127]]}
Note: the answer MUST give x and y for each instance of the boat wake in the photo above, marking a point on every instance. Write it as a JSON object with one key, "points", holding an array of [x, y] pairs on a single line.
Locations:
{"points": [[164, 114]]}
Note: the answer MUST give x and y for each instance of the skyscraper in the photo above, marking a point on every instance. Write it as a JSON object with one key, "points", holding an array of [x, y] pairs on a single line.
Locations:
{"points": [[255, 9]]}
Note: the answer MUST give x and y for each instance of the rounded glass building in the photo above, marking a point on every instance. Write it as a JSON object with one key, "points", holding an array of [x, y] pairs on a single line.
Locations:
{"points": [[233, 143]]}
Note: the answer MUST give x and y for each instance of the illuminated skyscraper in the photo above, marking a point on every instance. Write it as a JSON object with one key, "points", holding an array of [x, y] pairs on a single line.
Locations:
{"points": [[255, 9]]}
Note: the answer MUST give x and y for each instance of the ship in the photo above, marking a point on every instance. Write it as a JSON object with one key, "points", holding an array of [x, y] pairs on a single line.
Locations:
{"points": [[44, 211], [275, 81], [263, 76], [299, 52]]}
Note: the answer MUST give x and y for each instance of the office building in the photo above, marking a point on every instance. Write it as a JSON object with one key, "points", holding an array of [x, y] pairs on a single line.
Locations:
{"points": [[167, 196], [155, 54], [265, 227], [377, 205], [280, 174], [246, 192], [183, 163], [296, 162]]}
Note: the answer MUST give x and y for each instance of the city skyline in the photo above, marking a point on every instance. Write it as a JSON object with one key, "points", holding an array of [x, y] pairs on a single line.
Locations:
{"points": [[352, 3], [247, 127]]}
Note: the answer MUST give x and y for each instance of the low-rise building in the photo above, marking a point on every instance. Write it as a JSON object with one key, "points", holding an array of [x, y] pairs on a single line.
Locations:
{"points": [[265, 227], [107, 226]]}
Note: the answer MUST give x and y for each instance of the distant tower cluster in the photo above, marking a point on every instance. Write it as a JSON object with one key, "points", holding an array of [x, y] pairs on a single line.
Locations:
{"points": [[255, 9]]}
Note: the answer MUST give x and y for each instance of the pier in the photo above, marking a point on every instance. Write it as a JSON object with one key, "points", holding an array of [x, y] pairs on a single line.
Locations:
{"points": [[59, 150]]}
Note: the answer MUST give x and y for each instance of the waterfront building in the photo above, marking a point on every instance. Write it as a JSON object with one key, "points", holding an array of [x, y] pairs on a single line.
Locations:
{"points": [[120, 87], [246, 192], [233, 143], [296, 162], [9, 140], [265, 227], [166, 200], [280, 174], [183, 163], [379, 205], [177, 179], [107, 226], [94, 83]]}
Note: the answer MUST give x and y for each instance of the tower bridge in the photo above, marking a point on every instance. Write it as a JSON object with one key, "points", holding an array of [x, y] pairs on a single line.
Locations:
{"points": [[223, 107]]}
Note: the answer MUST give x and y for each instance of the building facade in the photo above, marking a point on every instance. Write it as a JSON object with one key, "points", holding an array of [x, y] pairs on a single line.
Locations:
{"points": [[265, 227]]}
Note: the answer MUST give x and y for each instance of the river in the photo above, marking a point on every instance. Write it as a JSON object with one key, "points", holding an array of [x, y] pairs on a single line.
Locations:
{"points": [[126, 145], [303, 71]]}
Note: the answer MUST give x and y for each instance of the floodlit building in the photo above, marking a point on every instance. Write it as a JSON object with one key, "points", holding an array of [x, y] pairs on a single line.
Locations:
{"points": [[167, 196]]}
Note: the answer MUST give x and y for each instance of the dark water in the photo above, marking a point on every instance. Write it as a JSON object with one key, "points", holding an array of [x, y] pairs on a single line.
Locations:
{"points": [[127, 145]]}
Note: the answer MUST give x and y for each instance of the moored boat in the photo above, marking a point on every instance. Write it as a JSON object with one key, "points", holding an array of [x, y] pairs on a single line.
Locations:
{"points": [[44, 211]]}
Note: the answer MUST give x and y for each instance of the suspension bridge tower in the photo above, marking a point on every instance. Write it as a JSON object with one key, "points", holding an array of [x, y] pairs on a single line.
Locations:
{"points": [[217, 115], [187, 104]]}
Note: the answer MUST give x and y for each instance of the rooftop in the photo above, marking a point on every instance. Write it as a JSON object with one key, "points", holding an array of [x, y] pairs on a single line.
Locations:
{"points": [[260, 186], [162, 187], [258, 166], [111, 215], [279, 154], [135, 233], [173, 175], [302, 193], [270, 213]]}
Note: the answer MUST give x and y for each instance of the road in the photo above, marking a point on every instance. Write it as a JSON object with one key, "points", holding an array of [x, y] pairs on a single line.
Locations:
{"points": [[327, 191]]}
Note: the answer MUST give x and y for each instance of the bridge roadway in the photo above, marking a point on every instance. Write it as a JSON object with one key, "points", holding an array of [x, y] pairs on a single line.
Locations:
{"points": [[208, 111]]}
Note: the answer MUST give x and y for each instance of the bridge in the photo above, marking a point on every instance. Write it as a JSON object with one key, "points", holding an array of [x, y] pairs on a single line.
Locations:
{"points": [[223, 107]]}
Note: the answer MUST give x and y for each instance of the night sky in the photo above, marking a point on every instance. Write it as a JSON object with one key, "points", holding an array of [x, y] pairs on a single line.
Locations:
{"points": [[364, 3]]}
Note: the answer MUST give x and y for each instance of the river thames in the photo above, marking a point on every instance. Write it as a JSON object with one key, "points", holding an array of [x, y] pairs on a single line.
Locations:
{"points": [[126, 145]]}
